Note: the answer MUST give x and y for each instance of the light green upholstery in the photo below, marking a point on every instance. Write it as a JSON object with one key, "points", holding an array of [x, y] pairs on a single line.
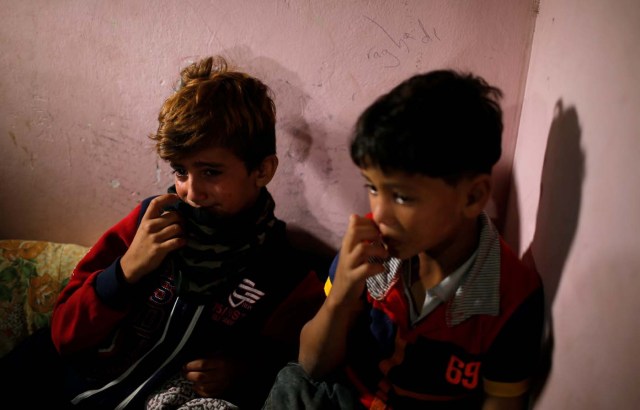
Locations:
{"points": [[32, 273]]}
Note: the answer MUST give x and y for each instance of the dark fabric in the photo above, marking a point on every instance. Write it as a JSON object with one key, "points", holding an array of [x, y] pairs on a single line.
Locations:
{"points": [[294, 389], [238, 319], [33, 374], [524, 326], [220, 250]]}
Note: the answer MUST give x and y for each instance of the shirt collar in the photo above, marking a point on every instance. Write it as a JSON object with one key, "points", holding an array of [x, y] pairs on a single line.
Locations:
{"points": [[479, 289], [474, 287]]}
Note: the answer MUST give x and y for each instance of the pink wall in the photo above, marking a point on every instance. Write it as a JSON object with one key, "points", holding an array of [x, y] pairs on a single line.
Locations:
{"points": [[81, 83], [575, 206]]}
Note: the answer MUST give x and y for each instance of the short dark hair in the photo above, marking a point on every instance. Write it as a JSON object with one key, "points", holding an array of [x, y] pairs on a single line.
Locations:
{"points": [[442, 124], [216, 106]]}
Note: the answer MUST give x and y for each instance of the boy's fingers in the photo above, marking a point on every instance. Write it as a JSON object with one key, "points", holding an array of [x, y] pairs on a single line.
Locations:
{"points": [[361, 231], [359, 227], [365, 253], [157, 205], [171, 230], [377, 250]]}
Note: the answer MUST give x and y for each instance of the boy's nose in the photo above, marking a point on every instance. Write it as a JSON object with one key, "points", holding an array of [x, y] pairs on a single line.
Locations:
{"points": [[195, 191], [381, 211]]}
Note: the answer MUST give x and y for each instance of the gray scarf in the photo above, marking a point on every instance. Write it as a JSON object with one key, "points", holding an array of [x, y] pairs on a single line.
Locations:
{"points": [[219, 250]]}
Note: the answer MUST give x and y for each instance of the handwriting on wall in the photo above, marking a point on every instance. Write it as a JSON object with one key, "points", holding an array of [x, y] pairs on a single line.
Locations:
{"points": [[390, 54]]}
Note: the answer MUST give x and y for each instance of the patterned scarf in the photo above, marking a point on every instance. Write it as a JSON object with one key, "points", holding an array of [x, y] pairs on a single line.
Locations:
{"points": [[220, 250], [380, 284]]}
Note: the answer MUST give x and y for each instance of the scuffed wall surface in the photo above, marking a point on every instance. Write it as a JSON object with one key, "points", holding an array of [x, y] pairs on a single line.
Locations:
{"points": [[81, 83]]}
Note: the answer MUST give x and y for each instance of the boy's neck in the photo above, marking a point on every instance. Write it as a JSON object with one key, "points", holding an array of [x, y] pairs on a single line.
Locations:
{"points": [[437, 265], [428, 274]]}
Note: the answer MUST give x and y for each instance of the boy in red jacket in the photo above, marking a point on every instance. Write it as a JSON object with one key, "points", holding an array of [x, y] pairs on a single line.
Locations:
{"points": [[427, 306], [199, 282]]}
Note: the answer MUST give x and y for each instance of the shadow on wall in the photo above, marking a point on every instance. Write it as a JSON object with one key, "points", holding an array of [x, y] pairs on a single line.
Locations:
{"points": [[298, 144], [556, 220]]}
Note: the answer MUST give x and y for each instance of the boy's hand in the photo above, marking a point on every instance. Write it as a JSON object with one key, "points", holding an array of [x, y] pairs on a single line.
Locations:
{"points": [[214, 375], [361, 242], [159, 233]]}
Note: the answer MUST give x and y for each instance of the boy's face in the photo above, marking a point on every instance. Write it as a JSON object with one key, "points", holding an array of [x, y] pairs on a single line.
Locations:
{"points": [[217, 180], [416, 213]]}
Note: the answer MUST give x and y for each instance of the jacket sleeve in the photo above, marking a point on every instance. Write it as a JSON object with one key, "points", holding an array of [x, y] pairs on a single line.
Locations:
{"points": [[96, 298]]}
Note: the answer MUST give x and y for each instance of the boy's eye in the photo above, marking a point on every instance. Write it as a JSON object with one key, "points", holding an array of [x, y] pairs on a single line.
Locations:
{"points": [[212, 172], [401, 199], [372, 190], [179, 172]]}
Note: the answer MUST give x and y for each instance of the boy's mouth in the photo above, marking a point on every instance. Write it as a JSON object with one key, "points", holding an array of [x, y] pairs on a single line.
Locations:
{"points": [[393, 246], [387, 242]]}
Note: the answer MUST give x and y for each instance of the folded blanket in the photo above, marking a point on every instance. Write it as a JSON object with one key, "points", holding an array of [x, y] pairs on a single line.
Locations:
{"points": [[177, 394]]}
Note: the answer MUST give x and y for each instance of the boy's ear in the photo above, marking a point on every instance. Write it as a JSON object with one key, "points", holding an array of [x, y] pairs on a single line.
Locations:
{"points": [[478, 194], [266, 170]]}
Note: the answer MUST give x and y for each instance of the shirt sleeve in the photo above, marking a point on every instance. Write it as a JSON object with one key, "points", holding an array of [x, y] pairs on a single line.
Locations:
{"points": [[332, 273], [514, 353]]}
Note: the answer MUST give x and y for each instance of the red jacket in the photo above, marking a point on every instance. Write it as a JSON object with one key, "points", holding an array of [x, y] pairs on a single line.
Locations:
{"points": [[129, 336]]}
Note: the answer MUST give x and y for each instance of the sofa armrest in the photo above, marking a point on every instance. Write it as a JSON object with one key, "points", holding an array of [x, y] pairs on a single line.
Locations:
{"points": [[32, 274]]}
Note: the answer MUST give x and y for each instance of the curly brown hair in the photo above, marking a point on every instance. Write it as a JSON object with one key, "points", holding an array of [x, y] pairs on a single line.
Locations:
{"points": [[217, 106]]}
